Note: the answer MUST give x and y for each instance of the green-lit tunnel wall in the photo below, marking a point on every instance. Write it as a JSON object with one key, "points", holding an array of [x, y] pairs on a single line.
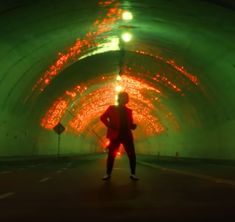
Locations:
{"points": [[59, 62]]}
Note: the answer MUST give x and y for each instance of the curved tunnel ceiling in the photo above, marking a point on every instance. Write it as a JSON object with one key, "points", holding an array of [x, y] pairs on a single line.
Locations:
{"points": [[60, 62]]}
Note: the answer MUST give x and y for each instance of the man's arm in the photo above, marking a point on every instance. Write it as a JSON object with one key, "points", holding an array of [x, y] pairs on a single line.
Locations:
{"points": [[105, 117], [133, 125]]}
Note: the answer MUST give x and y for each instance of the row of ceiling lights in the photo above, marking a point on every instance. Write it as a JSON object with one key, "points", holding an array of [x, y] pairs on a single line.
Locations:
{"points": [[127, 16], [126, 37]]}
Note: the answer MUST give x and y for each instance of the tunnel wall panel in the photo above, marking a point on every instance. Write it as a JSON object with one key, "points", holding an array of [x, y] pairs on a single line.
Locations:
{"points": [[214, 143]]}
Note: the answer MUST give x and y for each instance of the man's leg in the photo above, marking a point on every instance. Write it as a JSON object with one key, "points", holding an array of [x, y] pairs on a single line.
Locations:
{"points": [[130, 150], [113, 146]]}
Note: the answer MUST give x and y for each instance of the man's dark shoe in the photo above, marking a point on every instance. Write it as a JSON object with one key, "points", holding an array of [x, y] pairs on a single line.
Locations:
{"points": [[134, 177], [106, 177]]}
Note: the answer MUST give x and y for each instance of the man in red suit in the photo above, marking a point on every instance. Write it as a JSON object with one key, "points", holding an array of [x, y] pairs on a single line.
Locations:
{"points": [[119, 121]]}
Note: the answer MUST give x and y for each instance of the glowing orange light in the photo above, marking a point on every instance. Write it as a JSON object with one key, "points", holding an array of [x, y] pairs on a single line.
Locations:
{"points": [[91, 105], [106, 3], [166, 82], [172, 63], [80, 46], [71, 94], [107, 143], [54, 114], [118, 88]]}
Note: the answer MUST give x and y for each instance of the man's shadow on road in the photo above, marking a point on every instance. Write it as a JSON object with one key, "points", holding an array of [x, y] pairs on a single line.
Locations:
{"points": [[110, 191]]}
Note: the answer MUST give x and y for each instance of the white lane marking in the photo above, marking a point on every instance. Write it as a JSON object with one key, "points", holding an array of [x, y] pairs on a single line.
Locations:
{"points": [[197, 175], [44, 179], [5, 172], [5, 195]]}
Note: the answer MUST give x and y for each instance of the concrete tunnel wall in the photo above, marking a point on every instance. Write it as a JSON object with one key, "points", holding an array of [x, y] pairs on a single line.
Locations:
{"points": [[199, 35]]}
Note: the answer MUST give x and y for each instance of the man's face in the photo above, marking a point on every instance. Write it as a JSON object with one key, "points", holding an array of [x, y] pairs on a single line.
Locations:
{"points": [[123, 99]]}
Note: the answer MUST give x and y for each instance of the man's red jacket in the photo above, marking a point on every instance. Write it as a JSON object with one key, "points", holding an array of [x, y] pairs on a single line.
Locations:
{"points": [[111, 119]]}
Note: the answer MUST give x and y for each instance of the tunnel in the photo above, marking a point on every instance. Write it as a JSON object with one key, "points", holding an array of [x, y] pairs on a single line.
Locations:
{"points": [[64, 62]]}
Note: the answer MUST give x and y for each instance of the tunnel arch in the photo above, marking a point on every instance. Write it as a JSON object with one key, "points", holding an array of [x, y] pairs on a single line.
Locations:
{"points": [[194, 40]]}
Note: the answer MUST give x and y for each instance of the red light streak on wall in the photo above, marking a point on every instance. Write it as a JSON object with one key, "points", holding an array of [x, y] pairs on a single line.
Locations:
{"points": [[90, 107], [71, 94], [58, 109], [172, 63], [62, 60], [181, 69], [137, 84], [94, 104], [87, 107], [161, 78], [154, 97], [76, 91], [54, 114], [144, 118], [80, 46], [107, 3]]}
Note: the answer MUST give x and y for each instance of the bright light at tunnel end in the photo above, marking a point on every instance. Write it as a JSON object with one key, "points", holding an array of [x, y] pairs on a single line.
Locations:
{"points": [[126, 37], [118, 88], [126, 15], [118, 78]]}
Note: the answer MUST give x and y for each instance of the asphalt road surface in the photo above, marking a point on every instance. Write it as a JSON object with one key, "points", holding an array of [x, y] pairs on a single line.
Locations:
{"points": [[71, 189]]}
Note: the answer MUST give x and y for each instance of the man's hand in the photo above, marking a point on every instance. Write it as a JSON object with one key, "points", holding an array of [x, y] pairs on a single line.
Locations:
{"points": [[111, 126], [133, 127]]}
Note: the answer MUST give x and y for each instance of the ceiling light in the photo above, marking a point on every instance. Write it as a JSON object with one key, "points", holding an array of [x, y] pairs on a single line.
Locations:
{"points": [[127, 15], [126, 37]]}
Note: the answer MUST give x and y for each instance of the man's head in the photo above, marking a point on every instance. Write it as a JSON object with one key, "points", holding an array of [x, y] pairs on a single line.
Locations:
{"points": [[123, 98]]}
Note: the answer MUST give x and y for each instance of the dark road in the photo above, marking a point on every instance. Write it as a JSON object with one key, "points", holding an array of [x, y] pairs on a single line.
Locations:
{"points": [[71, 189]]}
